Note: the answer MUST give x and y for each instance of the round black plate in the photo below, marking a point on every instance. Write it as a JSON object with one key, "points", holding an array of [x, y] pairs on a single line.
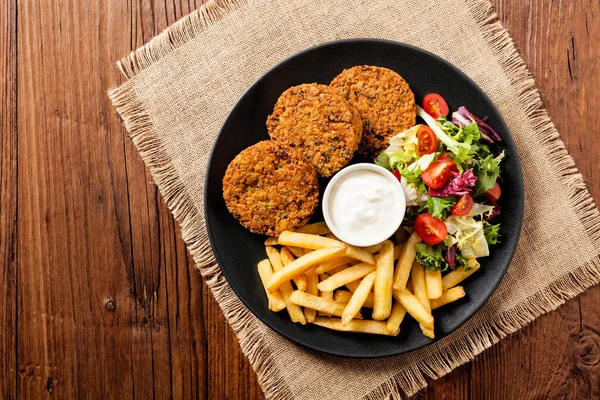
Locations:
{"points": [[238, 251]]}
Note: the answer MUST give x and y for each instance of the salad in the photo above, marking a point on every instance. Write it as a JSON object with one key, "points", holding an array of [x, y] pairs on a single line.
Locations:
{"points": [[450, 180]]}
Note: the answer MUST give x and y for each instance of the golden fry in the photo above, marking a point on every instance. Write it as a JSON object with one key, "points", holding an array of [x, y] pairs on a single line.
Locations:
{"points": [[307, 241], [296, 251], [395, 319], [318, 228], [352, 286], [311, 288], [372, 249], [413, 307], [329, 265], [276, 302], [405, 262], [342, 296], [346, 275], [434, 284], [384, 279], [271, 241], [303, 264], [398, 251], [274, 258], [300, 280], [328, 295], [448, 296], [355, 325], [417, 276], [358, 298], [317, 303], [458, 275]]}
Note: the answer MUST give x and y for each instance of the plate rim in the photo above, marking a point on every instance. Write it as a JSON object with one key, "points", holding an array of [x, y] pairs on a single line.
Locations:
{"points": [[520, 201]]}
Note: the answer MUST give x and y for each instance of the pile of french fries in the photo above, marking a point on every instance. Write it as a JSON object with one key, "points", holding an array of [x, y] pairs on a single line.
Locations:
{"points": [[321, 280]]}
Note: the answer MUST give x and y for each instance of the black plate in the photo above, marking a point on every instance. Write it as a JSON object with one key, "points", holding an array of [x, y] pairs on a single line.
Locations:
{"points": [[238, 251]]}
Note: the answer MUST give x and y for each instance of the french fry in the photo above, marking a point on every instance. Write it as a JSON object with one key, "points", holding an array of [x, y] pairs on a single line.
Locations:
{"points": [[271, 241], [307, 241], [359, 254], [433, 280], [417, 276], [355, 325], [328, 295], [358, 298], [300, 280], [286, 289], [296, 251], [400, 235], [342, 296], [352, 286], [372, 249], [329, 265], [384, 279], [395, 319], [317, 303], [398, 251], [303, 264], [347, 275], [452, 294], [318, 228], [413, 307], [276, 302], [405, 262], [458, 275], [311, 288]]}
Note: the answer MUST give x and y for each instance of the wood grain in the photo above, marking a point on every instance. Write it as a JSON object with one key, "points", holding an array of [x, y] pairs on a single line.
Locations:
{"points": [[98, 294]]}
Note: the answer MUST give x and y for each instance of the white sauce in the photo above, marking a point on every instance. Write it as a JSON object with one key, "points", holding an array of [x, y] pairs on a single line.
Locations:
{"points": [[363, 205]]}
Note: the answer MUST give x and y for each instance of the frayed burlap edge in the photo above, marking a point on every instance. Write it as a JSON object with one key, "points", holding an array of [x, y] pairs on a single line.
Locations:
{"points": [[409, 381]]}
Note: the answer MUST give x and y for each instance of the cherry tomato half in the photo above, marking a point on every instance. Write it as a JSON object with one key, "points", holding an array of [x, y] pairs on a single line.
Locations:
{"points": [[451, 164], [427, 141], [435, 105], [494, 193], [397, 174], [436, 175], [431, 229], [463, 206]]}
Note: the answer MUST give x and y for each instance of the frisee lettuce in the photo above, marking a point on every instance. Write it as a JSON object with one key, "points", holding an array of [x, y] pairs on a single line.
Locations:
{"points": [[491, 233], [439, 207]]}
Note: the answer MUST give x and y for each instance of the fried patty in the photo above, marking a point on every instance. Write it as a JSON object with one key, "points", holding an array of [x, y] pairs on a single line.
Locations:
{"points": [[317, 121], [385, 103], [269, 188]]}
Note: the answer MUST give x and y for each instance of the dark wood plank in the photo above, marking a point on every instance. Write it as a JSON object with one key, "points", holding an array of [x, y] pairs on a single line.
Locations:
{"points": [[109, 301], [558, 355], [110, 305], [8, 198]]}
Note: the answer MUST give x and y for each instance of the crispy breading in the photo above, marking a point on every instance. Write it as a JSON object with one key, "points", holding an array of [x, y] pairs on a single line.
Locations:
{"points": [[317, 121], [269, 188], [385, 103]]}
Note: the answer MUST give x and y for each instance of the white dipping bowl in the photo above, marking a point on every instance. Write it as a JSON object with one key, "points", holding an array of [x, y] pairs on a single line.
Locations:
{"points": [[387, 229]]}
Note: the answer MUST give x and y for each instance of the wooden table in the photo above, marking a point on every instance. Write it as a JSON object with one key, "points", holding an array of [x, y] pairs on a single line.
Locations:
{"points": [[98, 295]]}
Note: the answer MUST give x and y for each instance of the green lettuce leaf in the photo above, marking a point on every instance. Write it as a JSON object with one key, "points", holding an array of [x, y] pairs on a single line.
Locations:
{"points": [[431, 257], [439, 206]]}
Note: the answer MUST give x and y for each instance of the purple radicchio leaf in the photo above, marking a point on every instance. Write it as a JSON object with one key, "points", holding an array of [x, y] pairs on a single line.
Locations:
{"points": [[457, 185], [464, 117], [450, 255]]}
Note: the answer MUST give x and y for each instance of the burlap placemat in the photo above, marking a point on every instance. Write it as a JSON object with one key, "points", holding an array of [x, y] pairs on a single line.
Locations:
{"points": [[183, 83]]}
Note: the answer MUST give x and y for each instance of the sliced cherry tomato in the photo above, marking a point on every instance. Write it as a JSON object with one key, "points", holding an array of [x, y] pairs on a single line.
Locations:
{"points": [[463, 206], [436, 175], [494, 193], [431, 229], [451, 164], [427, 141], [397, 174], [435, 105]]}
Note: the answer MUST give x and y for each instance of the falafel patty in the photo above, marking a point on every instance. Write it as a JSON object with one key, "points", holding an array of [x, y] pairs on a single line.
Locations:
{"points": [[317, 121], [269, 188], [385, 103]]}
